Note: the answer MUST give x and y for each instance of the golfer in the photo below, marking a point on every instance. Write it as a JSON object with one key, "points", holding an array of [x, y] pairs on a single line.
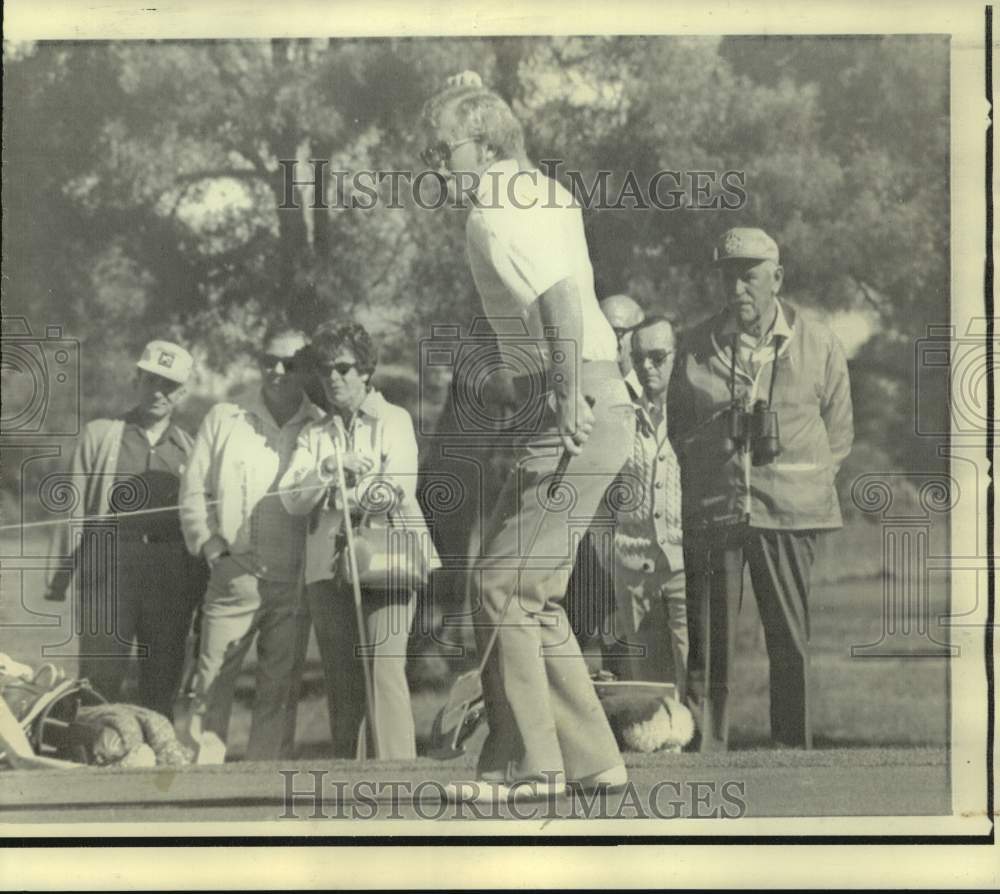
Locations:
{"points": [[529, 260]]}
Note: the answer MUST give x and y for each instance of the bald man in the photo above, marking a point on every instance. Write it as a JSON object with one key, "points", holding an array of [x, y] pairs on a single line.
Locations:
{"points": [[624, 314]]}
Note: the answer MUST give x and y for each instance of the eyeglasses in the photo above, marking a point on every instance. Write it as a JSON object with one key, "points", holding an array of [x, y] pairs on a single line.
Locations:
{"points": [[439, 153], [622, 331], [341, 369], [159, 383], [270, 361], [657, 356]]}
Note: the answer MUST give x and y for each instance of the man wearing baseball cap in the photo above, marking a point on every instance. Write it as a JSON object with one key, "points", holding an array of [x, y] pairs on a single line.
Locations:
{"points": [[126, 471], [761, 419]]}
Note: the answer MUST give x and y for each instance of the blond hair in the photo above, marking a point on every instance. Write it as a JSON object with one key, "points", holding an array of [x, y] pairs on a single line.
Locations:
{"points": [[480, 113]]}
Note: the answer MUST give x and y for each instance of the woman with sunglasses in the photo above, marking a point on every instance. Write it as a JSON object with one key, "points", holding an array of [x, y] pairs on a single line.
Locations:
{"points": [[378, 455]]}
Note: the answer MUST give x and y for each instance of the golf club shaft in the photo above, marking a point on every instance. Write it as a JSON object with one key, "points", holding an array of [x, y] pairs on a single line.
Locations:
{"points": [[557, 477], [356, 585]]}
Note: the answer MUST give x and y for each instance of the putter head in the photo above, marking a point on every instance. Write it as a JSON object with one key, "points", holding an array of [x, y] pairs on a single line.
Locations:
{"points": [[452, 727], [444, 737]]}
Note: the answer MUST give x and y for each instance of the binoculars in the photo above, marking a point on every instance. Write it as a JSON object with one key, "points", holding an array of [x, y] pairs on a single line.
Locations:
{"points": [[758, 429]]}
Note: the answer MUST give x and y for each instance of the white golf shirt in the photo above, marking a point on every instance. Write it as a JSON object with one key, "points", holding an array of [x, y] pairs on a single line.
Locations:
{"points": [[524, 235]]}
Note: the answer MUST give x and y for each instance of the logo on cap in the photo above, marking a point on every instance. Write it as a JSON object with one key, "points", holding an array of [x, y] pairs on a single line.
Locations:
{"points": [[164, 358], [733, 244], [746, 242]]}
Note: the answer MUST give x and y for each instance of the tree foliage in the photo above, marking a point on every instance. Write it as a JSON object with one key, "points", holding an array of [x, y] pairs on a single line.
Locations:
{"points": [[143, 186]]}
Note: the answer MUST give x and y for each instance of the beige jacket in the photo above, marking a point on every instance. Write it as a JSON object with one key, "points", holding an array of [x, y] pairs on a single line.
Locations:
{"points": [[380, 431], [238, 454]]}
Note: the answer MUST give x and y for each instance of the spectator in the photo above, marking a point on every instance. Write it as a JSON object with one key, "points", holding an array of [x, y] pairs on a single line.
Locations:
{"points": [[232, 515], [129, 470], [760, 413], [377, 437]]}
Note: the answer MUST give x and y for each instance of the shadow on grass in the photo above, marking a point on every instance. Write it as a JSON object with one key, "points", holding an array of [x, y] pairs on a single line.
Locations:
{"points": [[740, 740]]}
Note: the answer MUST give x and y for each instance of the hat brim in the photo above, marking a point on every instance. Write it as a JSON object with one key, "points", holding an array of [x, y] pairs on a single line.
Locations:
{"points": [[718, 260], [159, 371]]}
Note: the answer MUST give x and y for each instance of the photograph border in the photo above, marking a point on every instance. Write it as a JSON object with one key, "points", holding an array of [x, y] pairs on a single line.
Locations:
{"points": [[26, 20]]}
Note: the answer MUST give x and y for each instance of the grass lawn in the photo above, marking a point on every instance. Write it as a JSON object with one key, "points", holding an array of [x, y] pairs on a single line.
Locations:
{"points": [[859, 702]]}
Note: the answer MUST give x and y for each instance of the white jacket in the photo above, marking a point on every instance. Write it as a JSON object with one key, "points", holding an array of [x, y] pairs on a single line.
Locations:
{"points": [[238, 454], [380, 431]]}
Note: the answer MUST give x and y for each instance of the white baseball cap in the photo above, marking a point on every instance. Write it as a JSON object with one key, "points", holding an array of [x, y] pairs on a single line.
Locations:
{"points": [[164, 358]]}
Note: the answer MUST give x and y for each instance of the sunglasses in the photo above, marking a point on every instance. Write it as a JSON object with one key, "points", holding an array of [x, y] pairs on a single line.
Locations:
{"points": [[658, 356], [341, 369], [439, 153], [270, 361]]}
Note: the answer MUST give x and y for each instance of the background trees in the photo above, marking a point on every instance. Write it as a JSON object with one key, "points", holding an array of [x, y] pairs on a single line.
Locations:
{"points": [[142, 189]]}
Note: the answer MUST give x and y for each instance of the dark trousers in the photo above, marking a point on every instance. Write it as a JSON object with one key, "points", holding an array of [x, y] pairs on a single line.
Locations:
{"points": [[146, 601], [780, 565], [590, 602]]}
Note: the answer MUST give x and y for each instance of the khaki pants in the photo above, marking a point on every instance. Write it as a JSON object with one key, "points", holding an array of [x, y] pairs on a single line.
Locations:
{"points": [[543, 713], [651, 627], [239, 606], [388, 618]]}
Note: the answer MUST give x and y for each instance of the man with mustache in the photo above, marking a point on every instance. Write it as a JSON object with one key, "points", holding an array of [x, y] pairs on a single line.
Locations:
{"points": [[760, 413]]}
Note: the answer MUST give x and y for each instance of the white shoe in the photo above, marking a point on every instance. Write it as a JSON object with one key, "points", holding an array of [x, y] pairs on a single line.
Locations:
{"points": [[491, 791], [612, 780], [211, 749]]}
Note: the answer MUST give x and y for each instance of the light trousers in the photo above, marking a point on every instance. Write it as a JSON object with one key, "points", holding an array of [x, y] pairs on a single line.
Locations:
{"points": [[545, 719], [238, 607], [388, 617]]}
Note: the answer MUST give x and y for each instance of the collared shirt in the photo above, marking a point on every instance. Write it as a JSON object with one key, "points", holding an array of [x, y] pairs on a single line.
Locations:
{"points": [[230, 486], [148, 477], [276, 537], [525, 234], [812, 397], [650, 524], [379, 431], [754, 352]]}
